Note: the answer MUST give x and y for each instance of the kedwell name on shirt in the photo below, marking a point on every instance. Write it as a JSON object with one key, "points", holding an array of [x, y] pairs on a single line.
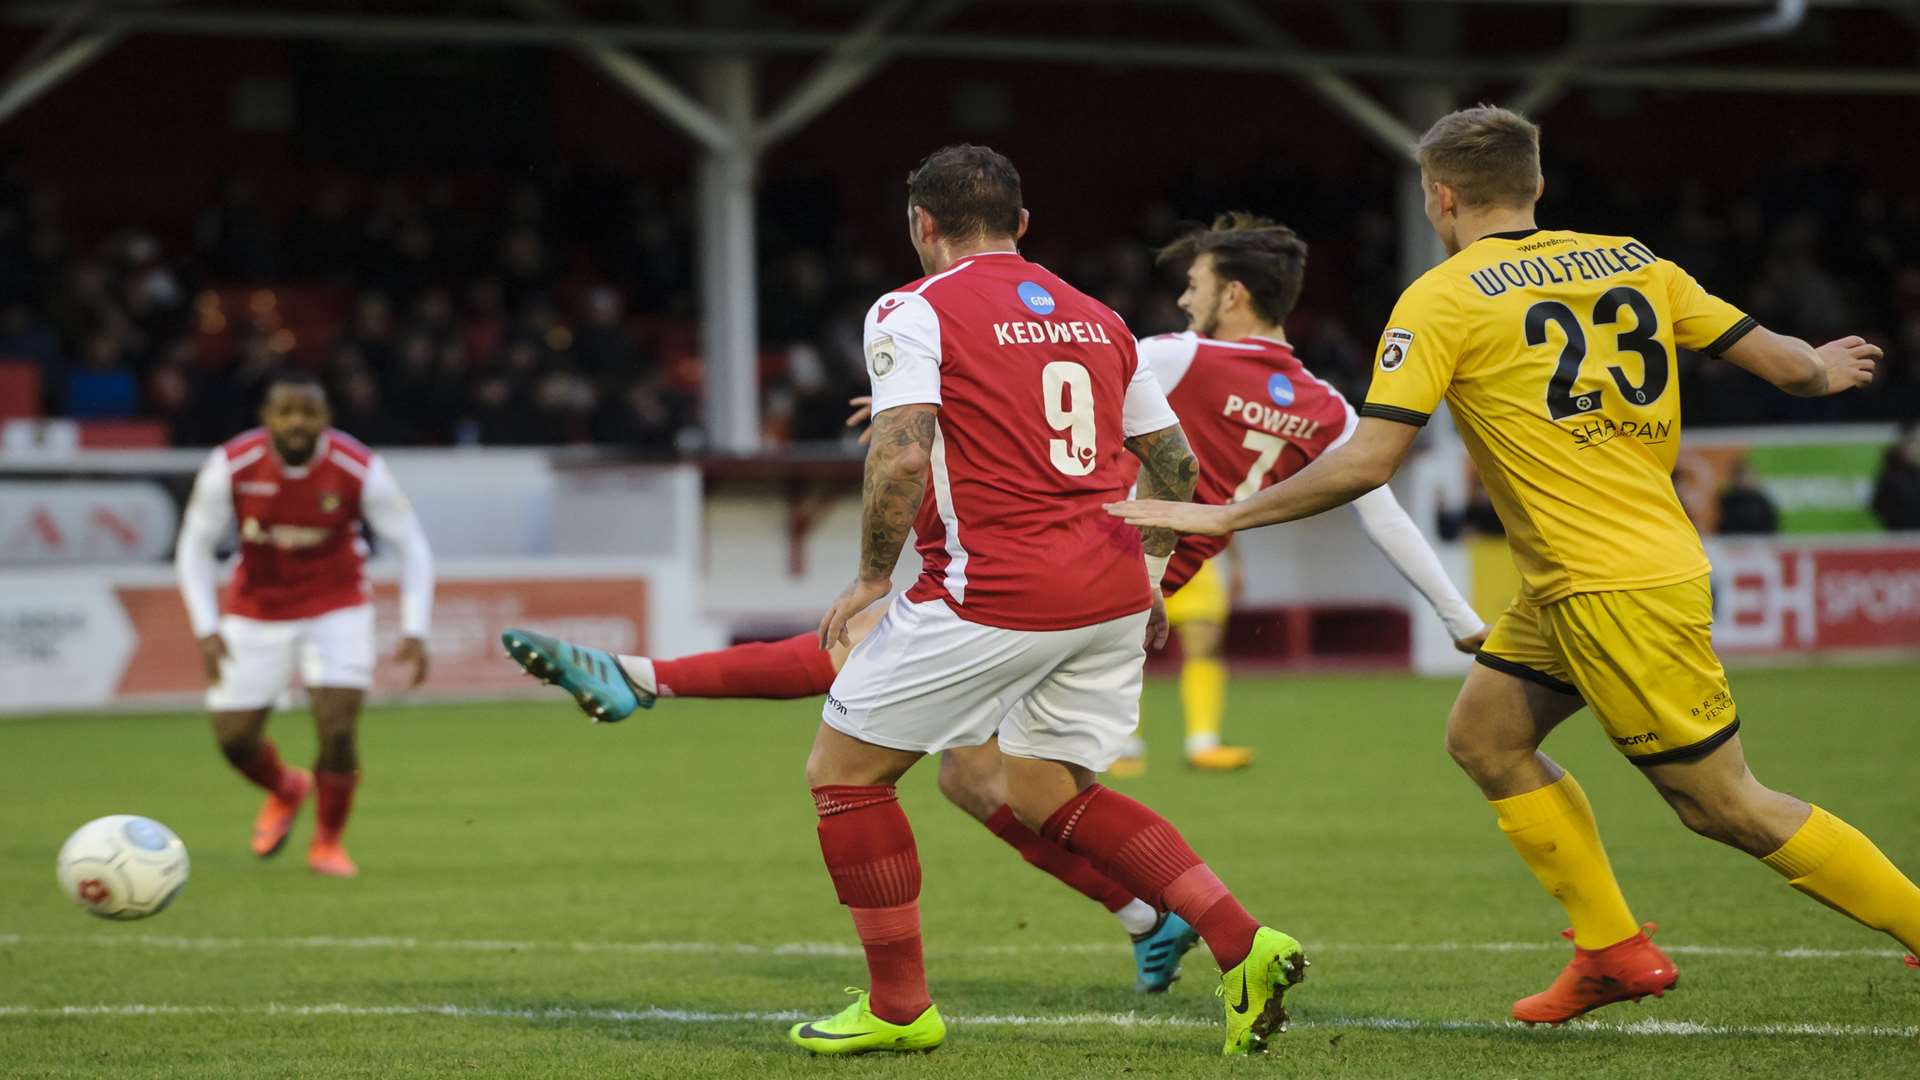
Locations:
{"points": [[1050, 333]]}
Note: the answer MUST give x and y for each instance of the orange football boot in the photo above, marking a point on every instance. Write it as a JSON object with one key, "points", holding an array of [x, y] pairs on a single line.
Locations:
{"points": [[1221, 758], [276, 816], [1913, 961], [1625, 971], [329, 857]]}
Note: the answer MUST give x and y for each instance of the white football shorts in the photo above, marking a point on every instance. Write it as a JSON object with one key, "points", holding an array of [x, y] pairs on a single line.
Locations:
{"points": [[928, 680], [332, 650]]}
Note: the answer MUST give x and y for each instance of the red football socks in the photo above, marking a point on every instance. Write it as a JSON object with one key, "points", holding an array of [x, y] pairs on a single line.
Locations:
{"points": [[794, 668], [869, 850], [1073, 870], [1145, 853], [896, 964], [334, 803], [264, 769]]}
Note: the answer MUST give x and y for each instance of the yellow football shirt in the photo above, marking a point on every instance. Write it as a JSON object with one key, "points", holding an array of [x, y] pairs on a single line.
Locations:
{"points": [[1555, 352]]}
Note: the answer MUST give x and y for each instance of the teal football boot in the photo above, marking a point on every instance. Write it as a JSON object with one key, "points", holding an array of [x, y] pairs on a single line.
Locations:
{"points": [[1157, 953], [592, 676]]}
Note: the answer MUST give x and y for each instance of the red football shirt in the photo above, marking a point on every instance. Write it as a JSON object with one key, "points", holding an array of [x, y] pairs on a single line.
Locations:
{"points": [[1254, 416], [1038, 387], [301, 552]]}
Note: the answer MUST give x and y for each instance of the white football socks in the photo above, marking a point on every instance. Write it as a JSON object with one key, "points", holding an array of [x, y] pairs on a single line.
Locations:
{"points": [[640, 670], [1138, 917]]}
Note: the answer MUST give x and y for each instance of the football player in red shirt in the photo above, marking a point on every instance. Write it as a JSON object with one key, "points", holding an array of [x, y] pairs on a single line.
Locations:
{"points": [[1004, 403], [1243, 277], [299, 596], [1256, 416]]}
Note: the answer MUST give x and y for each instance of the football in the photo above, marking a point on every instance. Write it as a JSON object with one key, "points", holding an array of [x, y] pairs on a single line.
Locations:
{"points": [[123, 866]]}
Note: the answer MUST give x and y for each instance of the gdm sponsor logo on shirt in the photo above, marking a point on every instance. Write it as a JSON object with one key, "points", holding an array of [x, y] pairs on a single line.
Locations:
{"points": [[1038, 300], [1280, 389]]}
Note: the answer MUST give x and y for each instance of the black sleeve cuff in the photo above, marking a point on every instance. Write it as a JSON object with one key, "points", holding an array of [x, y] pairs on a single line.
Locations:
{"points": [[1394, 413], [1734, 333]]}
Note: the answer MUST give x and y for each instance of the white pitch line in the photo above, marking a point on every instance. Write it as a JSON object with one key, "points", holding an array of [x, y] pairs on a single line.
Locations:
{"points": [[827, 948], [1638, 1028]]}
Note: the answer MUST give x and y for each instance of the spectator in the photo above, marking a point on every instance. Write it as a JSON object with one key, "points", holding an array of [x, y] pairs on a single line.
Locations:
{"points": [[637, 417], [523, 264], [103, 386], [406, 266], [357, 411], [499, 414], [1896, 491], [323, 241], [494, 267], [564, 401], [176, 396], [237, 236], [372, 330], [483, 324], [411, 392], [1745, 508], [602, 345], [24, 337]]}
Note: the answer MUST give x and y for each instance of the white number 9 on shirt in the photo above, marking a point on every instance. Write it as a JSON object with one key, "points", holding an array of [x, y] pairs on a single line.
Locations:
{"points": [[1076, 454]]}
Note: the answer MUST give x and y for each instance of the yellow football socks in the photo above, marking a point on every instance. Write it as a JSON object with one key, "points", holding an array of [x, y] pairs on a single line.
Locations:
{"points": [[1203, 697], [1835, 864], [1553, 830]]}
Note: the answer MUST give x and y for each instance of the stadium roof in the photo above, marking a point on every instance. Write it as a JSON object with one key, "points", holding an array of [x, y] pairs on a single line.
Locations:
{"points": [[1782, 46], [1390, 68]]}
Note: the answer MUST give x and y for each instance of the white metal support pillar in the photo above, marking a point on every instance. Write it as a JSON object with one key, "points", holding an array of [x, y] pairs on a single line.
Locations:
{"points": [[1421, 103], [729, 308], [722, 118], [55, 67], [1427, 30]]}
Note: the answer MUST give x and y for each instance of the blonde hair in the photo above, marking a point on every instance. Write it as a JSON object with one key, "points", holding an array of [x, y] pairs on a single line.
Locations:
{"points": [[1489, 156]]}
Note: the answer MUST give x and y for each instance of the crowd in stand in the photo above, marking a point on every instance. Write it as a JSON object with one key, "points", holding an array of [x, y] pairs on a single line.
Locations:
{"points": [[562, 311]]}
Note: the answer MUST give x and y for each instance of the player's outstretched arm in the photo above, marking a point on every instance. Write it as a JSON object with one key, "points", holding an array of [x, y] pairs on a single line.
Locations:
{"points": [[1337, 477], [898, 460], [1388, 525], [1802, 370], [1168, 471]]}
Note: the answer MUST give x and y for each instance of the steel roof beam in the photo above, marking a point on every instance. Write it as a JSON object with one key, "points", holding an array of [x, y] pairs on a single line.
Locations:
{"points": [[1102, 53]]}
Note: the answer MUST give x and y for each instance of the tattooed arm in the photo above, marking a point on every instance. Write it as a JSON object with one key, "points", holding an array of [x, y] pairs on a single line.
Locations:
{"points": [[896, 479], [898, 460], [1168, 472]]}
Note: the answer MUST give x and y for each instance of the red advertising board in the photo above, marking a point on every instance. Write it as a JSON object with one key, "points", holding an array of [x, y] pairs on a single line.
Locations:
{"points": [[465, 651], [1786, 597]]}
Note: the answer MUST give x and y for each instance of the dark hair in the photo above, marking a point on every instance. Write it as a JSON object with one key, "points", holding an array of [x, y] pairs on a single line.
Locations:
{"points": [[1264, 256], [971, 191], [299, 378]]}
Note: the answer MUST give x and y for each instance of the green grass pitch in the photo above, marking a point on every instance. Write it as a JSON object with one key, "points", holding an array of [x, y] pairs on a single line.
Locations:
{"points": [[540, 897]]}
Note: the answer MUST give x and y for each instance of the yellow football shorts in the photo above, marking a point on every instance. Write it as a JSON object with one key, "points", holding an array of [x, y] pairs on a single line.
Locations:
{"points": [[1642, 659], [1202, 599]]}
